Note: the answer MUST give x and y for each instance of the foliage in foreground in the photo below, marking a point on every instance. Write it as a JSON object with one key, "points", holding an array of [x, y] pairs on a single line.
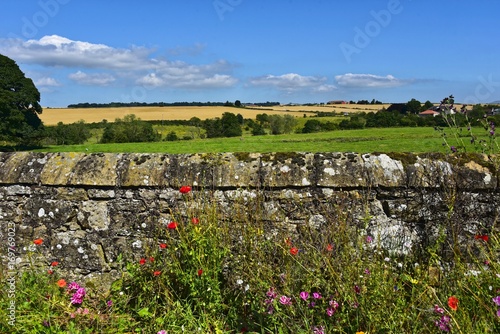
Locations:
{"points": [[208, 273]]}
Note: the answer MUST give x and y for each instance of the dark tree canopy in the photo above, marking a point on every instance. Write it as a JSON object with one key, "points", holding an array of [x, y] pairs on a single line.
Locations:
{"points": [[19, 105]]}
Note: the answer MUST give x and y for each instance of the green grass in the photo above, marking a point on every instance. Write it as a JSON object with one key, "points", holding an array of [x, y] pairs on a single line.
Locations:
{"points": [[362, 141]]}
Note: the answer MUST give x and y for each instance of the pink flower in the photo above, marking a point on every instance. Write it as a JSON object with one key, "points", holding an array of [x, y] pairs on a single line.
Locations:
{"points": [[77, 297], [330, 311], [285, 300], [304, 295], [333, 304], [318, 330], [496, 300], [438, 309], [73, 286], [271, 293], [316, 295]]}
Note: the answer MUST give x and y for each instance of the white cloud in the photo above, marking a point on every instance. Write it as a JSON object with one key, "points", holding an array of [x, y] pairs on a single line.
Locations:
{"points": [[151, 80], [292, 82], [325, 88], [135, 62], [60, 51], [368, 81], [46, 82], [180, 74], [94, 79]]}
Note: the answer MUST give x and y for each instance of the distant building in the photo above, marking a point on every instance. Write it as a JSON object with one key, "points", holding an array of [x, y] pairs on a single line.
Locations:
{"points": [[337, 102], [429, 112]]}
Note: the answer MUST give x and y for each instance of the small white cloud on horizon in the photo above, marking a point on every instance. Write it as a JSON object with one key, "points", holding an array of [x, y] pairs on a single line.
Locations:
{"points": [[97, 79], [292, 82], [368, 81]]}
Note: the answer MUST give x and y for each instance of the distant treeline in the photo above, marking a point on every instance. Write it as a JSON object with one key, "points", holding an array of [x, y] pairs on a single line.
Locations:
{"points": [[165, 104]]}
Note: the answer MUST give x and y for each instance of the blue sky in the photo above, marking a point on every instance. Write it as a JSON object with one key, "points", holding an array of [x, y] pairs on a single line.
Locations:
{"points": [[290, 51]]}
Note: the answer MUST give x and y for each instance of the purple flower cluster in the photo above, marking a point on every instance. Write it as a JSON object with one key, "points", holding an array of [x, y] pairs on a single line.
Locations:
{"points": [[444, 322], [271, 296], [78, 294], [318, 330], [310, 298]]}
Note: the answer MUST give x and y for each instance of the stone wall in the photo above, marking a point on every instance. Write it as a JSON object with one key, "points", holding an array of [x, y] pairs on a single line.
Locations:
{"points": [[90, 208]]}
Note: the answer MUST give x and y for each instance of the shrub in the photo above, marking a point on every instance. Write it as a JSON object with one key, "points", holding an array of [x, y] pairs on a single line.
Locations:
{"points": [[129, 129]]}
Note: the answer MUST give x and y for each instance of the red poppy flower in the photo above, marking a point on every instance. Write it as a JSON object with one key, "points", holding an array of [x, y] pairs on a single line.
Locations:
{"points": [[163, 246], [61, 283], [200, 271], [294, 251], [329, 247], [50, 272], [38, 241], [142, 261], [172, 225], [156, 273], [195, 221], [151, 259], [481, 237], [53, 264], [453, 303], [185, 189]]}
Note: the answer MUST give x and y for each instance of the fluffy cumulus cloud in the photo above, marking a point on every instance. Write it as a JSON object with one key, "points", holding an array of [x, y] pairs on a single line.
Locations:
{"points": [[135, 62], [93, 79], [181, 74], [368, 81], [46, 82], [293, 82], [62, 52]]}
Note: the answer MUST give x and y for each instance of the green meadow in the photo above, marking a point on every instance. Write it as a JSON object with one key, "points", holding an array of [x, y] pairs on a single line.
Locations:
{"points": [[411, 139]]}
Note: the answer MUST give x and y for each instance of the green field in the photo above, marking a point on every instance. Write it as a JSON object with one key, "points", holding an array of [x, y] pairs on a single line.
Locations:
{"points": [[362, 141]]}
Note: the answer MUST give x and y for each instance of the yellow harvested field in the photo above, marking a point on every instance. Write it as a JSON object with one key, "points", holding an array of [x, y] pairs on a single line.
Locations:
{"points": [[339, 108], [52, 116]]}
